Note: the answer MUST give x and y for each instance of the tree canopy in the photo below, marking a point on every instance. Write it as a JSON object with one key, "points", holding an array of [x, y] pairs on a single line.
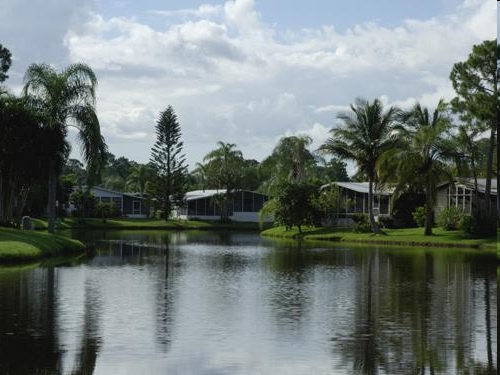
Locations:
{"points": [[5, 62], [168, 162], [67, 99], [366, 133]]}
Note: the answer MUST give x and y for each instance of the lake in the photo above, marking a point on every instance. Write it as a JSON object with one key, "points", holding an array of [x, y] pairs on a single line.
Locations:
{"points": [[236, 303]]}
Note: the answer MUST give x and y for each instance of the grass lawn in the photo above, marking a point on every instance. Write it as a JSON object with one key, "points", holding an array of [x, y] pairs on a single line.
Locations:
{"points": [[20, 246], [126, 223], [407, 236]]}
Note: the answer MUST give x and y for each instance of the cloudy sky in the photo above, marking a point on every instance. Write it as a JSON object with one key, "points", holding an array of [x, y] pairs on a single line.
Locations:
{"points": [[244, 71]]}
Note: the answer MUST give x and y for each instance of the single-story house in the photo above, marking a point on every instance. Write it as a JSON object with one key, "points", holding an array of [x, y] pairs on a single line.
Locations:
{"points": [[353, 199], [244, 205], [461, 193], [129, 204]]}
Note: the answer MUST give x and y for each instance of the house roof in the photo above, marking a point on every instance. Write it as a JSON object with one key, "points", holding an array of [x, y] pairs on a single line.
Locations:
{"points": [[198, 194], [468, 182], [361, 187], [132, 195]]}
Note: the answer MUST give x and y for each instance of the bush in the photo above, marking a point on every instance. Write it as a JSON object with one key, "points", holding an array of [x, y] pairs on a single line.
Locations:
{"points": [[450, 218], [386, 222], [478, 225], [362, 223], [419, 216]]}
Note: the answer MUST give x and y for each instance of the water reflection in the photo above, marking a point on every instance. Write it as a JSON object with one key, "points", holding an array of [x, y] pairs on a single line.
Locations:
{"points": [[28, 338], [156, 302], [421, 313]]}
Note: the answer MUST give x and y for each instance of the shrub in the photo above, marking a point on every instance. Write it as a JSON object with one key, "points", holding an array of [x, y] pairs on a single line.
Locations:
{"points": [[362, 223], [419, 216], [386, 222], [450, 218], [478, 225]]}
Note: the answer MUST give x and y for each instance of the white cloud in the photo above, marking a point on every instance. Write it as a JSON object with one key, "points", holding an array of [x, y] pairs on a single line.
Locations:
{"points": [[232, 77], [203, 11]]}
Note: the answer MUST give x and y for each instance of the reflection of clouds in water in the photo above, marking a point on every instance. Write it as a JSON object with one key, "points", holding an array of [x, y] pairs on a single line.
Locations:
{"points": [[204, 307]]}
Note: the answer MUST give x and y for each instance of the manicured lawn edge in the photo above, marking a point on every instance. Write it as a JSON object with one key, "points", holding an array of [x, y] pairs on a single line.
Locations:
{"points": [[23, 246], [392, 237], [146, 224]]}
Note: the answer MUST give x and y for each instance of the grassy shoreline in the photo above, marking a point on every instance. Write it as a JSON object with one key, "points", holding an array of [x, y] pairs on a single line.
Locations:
{"points": [[18, 246], [391, 237], [127, 223]]}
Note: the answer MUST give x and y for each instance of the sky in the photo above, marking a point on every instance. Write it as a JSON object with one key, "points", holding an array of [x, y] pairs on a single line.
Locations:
{"points": [[246, 72]]}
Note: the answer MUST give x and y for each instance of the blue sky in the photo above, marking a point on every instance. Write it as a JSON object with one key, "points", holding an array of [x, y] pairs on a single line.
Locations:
{"points": [[245, 71], [286, 14]]}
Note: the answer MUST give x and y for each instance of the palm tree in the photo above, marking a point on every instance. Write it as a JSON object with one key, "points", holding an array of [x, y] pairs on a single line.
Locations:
{"points": [[67, 99], [463, 148], [224, 168], [139, 177], [366, 133], [421, 161]]}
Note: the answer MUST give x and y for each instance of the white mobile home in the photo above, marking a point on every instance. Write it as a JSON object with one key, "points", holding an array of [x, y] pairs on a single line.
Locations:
{"points": [[244, 205], [353, 199]]}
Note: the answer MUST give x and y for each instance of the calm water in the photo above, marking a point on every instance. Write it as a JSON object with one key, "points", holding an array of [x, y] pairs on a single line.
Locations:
{"points": [[214, 303]]}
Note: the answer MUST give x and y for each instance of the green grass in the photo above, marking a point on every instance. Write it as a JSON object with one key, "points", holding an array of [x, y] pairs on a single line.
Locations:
{"points": [[126, 223], [21, 246], [406, 237]]}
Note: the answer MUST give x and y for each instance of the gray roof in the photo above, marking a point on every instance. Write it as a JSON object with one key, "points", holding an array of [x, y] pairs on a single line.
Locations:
{"points": [[198, 194], [133, 195], [361, 187], [468, 182]]}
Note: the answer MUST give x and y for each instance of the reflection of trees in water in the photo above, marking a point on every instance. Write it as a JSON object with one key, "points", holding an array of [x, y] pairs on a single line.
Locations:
{"points": [[360, 350], [90, 342], [28, 338], [419, 314], [288, 298], [165, 295]]}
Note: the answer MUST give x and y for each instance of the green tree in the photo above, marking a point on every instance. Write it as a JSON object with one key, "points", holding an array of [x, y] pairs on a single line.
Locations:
{"points": [[224, 169], [290, 161], [251, 178], [116, 172], [168, 162], [294, 204], [5, 62], [464, 150], [140, 176], [366, 133], [475, 82], [24, 149], [66, 99], [421, 160], [333, 170]]}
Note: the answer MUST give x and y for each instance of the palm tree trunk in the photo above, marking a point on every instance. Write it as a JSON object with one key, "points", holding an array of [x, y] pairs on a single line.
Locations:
{"points": [[373, 224], [498, 168], [51, 207], [428, 211], [489, 172]]}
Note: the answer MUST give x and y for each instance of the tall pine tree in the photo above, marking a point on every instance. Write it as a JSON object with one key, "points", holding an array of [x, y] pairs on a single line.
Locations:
{"points": [[168, 162]]}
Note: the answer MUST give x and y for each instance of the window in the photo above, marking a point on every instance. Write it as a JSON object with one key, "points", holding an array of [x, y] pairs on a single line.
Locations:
{"points": [[192, 207], [209, 205], [136, 207], [384, 204], [460, 196], [247, 201], [201, 206], [258, 202], [238, 201]]}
